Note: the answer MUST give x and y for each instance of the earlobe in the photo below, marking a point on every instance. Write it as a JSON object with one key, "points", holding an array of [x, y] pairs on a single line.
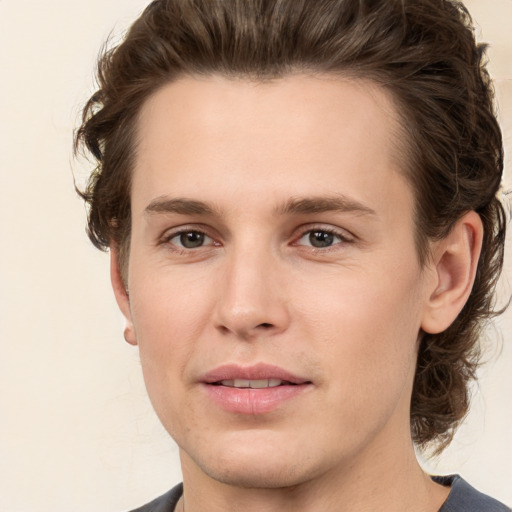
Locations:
{"points": [[121, 294], [455, 264]]}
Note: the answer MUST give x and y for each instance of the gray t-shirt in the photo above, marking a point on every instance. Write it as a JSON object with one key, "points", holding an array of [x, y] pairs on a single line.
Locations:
{"points": [[462, 498]]}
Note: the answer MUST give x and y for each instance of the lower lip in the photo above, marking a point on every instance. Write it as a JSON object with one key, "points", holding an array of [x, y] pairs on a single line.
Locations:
{"points": [[253, 401]]}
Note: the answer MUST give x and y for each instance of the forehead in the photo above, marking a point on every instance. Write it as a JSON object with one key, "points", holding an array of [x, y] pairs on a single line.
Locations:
{"points": [[219, 139]]}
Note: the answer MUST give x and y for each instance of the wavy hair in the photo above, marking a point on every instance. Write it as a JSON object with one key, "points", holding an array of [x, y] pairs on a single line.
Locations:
{"points": [[423, 52]]}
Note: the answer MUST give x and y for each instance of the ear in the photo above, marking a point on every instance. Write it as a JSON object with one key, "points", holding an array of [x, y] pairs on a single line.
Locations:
{"points": [[454, 269], [121, 294]]}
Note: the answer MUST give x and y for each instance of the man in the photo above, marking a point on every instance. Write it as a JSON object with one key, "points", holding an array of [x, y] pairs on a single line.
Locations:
{"points": [[299, 197]]}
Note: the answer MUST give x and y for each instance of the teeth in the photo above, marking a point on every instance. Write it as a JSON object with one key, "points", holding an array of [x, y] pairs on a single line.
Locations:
{"points": [[254, 384]]}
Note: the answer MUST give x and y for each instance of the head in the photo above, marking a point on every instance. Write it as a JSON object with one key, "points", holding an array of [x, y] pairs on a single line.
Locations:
{"points": [[420, 56]]}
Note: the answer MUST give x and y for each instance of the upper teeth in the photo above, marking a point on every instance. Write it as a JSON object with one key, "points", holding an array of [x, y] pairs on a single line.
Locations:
{"points": [[256, 384]]}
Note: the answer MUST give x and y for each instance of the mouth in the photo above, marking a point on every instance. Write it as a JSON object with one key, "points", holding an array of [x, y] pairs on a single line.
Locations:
{"points": [[253, 384], [260, 375], [253, 390]]}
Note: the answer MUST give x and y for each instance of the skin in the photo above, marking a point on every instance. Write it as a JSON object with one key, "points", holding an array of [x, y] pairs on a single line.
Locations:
{"points": [[345, 316]]}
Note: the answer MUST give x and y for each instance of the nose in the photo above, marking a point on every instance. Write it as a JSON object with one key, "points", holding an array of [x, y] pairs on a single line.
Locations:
{"points": [[251, 297]]}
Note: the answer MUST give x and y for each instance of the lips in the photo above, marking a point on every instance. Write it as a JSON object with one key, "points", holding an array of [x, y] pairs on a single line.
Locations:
{"points": [[256, 389], [257, 372]]}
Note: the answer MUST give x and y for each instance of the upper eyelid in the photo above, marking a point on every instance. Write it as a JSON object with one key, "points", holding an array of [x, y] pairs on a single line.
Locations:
{"points": [[172, 232], [341, 232], [342, 241], [166, 238], [169, 235]]}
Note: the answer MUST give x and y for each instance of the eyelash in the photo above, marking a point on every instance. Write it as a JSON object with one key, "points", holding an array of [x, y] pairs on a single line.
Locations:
{"points": [[343, 238], [167, 239]]}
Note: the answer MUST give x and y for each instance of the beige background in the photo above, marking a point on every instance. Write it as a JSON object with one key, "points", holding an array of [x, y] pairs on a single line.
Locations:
{"points": [[76, 429]]}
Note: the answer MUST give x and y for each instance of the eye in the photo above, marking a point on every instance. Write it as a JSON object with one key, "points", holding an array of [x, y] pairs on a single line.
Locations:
{"points": [[190, 239], [321, 238]]}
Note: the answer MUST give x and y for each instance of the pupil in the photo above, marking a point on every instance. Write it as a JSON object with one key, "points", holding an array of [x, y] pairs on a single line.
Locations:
{"points": [[321, 239], [192, 239]]}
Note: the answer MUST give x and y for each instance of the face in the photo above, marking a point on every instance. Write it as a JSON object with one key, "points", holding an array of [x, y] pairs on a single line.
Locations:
{"points": [[274, 287]]}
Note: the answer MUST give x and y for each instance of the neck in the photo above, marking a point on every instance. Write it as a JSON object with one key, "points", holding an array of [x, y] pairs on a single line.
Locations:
{"points": [[387, 479]]}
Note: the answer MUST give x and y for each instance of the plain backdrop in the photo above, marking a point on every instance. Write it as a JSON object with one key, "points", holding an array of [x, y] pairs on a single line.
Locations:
{"points": [[76, 429]]}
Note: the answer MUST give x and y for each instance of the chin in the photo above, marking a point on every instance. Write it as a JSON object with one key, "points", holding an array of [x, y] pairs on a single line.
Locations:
{"points": [[261, 477], [257, 464]]}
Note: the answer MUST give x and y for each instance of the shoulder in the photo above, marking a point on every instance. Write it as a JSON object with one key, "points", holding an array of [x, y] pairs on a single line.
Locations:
{"points": [[164, 503], [465, 498]]}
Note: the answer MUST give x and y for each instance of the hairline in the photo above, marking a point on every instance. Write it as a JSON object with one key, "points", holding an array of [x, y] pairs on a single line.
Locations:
{"points": [[401, 139]]}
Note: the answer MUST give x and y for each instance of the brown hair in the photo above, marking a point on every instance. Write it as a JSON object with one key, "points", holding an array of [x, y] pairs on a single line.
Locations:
{"points": [[422, 51]]}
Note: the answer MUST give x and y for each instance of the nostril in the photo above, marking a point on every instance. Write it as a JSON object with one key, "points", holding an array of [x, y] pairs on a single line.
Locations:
{"points": [[247, 332]]}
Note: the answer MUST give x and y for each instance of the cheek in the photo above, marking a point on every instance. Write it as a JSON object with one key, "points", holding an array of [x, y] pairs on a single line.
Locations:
{"points": [[167, 307], [372, 304], [169, 317], [164, 350], [367, 328]]}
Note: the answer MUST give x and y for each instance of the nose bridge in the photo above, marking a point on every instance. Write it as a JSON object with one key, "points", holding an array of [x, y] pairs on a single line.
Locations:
{"points": [[250, 299]]}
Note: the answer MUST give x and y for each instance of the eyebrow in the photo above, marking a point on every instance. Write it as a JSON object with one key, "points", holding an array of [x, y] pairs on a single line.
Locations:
{"points": [[336, 203], [299, 205], [179, 205]]}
